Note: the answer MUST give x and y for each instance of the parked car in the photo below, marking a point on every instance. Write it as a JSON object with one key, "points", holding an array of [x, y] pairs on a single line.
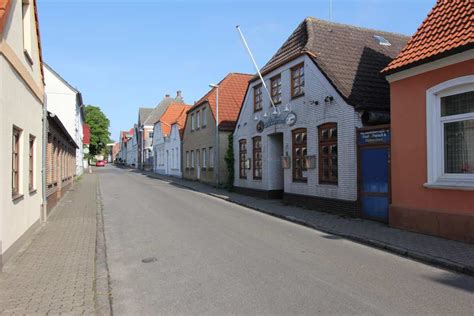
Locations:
{"points": [[100, 163]]}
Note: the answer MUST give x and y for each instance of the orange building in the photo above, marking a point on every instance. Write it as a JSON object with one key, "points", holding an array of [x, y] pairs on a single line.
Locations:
{"points": [[432, 123]]}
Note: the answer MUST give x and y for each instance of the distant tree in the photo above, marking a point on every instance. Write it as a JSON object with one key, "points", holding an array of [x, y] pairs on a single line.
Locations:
{"points": [[99, 125]]}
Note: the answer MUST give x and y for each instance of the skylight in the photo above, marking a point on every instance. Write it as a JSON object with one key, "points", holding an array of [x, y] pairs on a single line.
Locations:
{"points": [[382, 40]]}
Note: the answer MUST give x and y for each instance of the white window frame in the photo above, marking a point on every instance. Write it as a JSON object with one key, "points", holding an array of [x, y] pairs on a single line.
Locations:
{"points": [[192, 158], [198, 119], [204, 117], [192, 122], [204, 158], [187, 159], [211, 157], [436, 177]]}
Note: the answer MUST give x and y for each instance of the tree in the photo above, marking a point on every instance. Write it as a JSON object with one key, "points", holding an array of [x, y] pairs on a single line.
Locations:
{"points": [[99, 126], [229, 159]]}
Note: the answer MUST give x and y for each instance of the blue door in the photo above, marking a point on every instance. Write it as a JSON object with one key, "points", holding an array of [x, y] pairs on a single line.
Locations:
{"points": [[374, 190]]}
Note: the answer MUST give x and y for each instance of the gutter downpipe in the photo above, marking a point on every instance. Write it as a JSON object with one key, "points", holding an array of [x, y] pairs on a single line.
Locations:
{"points": [[44, 210]]}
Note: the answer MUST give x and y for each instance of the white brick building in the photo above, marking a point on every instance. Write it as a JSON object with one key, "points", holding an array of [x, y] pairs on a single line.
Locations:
{"points": [[324, 81]]}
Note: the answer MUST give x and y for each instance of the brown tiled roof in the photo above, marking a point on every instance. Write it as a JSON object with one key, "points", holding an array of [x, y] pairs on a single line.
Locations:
{"points": [[143, 114], [172, 113], [448, 29], [350, 57], [158, 111], [231, 93]]}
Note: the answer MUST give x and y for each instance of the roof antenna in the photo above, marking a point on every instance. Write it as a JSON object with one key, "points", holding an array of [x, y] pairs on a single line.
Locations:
{"points": [[330, 10], [256, 67]]}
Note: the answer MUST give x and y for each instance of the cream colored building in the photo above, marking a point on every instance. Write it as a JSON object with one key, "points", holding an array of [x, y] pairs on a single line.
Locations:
{"points": [[21, 112]]}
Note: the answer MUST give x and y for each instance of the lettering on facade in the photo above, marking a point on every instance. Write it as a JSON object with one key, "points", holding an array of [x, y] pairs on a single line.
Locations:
{"points": [[374, 137], [289, 119]]}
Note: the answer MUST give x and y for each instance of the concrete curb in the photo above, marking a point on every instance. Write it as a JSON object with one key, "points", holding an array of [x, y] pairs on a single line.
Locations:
{"points": [[418, 256], [103, 293]]}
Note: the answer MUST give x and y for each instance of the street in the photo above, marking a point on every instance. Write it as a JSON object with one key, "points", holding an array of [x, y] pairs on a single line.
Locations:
{"points": [[209, 256]]}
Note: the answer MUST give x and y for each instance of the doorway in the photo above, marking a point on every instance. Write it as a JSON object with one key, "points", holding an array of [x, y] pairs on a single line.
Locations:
{"points": [[275, 169], [374, 173]]}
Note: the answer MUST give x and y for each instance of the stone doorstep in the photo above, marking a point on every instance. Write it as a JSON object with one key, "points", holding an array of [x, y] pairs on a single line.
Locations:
{"points": [[401, 251]]}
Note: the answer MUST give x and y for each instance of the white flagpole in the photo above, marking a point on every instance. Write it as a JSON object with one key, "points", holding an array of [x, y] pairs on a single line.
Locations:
{"points": [[256, 67]]}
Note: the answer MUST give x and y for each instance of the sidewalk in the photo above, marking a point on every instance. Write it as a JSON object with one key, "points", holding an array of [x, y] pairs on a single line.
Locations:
{"points": [[55, 272], [449, 254]]}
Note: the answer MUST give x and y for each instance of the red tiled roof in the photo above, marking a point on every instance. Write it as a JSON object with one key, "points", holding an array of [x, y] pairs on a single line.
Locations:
{"points": [[448, 29], [172, 113], [4, 10], [181, 122], [231, 94]]}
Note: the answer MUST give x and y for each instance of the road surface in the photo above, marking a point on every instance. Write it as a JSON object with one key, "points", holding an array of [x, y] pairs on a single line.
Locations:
{"points": [[215, 257]]}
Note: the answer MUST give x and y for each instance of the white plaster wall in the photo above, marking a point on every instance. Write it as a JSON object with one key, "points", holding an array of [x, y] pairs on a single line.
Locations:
{"points": [[63, 101], [308, 116], [15, 101], [19, 106], [167, 151]]}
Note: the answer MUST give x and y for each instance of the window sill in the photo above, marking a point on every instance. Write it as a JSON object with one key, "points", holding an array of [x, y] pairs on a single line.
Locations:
{"points": [[297, 96], [451, 185], [300, 181], [17, 197], [210, 169], [33, 191], [203, 169]]}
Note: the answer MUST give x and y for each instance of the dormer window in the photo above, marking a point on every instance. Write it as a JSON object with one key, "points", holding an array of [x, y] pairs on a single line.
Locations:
{"points": [[27, 22]]}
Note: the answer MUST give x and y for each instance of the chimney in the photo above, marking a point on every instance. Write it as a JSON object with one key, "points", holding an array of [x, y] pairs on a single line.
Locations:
{"points": [[167, 96], [178, 94]]}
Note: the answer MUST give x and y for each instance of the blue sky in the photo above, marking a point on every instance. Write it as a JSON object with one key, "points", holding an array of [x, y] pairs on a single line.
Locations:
{"points": [[125, 54]]}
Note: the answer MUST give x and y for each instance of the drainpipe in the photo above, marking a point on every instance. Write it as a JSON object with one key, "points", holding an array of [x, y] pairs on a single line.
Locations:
{"points": [[44, 211]]}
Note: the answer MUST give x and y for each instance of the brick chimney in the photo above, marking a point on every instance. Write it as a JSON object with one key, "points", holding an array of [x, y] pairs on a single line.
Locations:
{"points": [[167, 96], [178, 94]]}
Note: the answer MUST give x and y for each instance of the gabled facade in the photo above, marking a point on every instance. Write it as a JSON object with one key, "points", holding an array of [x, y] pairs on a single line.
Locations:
{"points": [[132, 149], [325, 84], [147, 118], [167, 140], [21, 128], [203, 152], [66, 102], [432, 107]]}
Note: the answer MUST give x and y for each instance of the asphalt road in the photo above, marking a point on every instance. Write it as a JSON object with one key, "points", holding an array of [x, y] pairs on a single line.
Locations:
{"points": [[215, 257]]}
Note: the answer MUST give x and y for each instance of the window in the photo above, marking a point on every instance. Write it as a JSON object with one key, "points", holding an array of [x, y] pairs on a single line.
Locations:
{"points": [[299, 154], [16, 162], [328, 153], [204, 117], [198, 120], [297, 81], [31, 170], [192, 158], [150, 135], [257, 158], [242, 158], [275, 83], [187, 159], [450, 133], [192, 122], [211, 157], [27, 23], [257, 98], [204, 158]]}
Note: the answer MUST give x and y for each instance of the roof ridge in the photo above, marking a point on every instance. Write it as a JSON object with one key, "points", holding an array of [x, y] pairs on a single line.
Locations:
{"points": [[313, 19]]}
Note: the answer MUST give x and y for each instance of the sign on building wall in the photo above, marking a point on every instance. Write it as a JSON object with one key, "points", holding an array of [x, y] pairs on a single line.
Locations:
{"points": [[372, 137]]}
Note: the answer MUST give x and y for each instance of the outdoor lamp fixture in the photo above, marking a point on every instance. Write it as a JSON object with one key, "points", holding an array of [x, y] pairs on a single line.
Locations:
{"points": [[329, 98], [255, 118], [287, 108], [265, 115], [275, 112], [216, 155]]}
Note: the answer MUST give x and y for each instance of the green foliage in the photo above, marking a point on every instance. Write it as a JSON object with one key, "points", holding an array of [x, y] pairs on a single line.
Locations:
{"points": [[229, 159], [99, 125]]}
